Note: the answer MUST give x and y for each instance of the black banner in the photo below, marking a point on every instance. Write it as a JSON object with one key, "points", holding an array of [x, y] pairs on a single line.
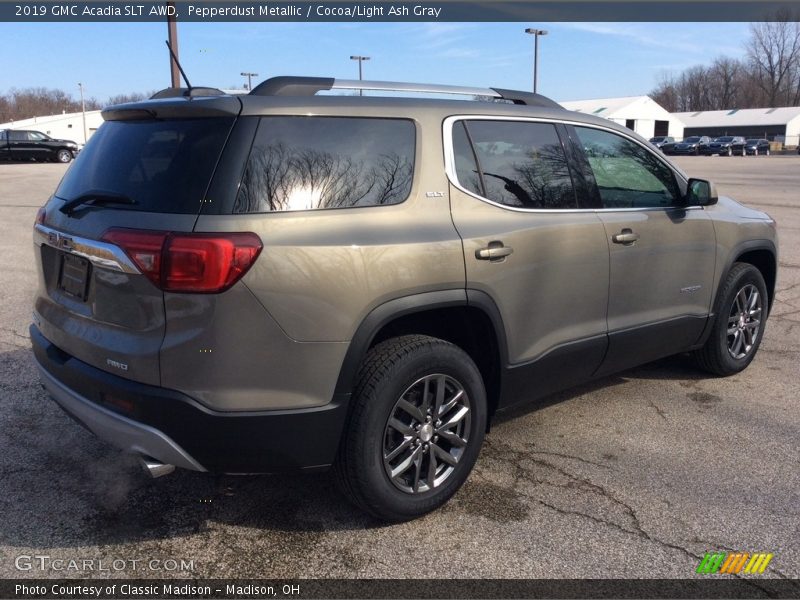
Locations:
{"points": [[712, 587], [401, 11]]}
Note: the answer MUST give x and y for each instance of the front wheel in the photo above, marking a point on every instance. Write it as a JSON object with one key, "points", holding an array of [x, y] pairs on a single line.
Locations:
{"points": [[741, 314], [63, 156], [730, 152], [416, 427]]}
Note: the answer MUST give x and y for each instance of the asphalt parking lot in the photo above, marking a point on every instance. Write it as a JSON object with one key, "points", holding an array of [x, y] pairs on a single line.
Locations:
{"points": [[637, 475]]}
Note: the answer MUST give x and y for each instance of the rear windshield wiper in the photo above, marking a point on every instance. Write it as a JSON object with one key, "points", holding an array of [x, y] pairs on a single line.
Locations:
{"points": [[95, 197]]}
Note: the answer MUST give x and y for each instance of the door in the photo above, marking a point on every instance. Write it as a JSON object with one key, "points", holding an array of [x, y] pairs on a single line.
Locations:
{"points": [[662, 255], [528, 246], [18, 145]]}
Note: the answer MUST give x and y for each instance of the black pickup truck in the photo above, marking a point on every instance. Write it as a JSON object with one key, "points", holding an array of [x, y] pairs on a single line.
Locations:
{"points": [[19, 144]]}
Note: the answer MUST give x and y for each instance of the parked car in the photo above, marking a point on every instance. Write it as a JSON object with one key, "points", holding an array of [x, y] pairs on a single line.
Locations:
{"points": [[756, 147], [341, 296], [726, 145], [691, 145], [19, 144], [663, 143]]}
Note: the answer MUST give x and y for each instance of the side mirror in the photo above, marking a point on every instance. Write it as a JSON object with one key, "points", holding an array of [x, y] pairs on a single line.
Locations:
{"points": [[700, 192]]}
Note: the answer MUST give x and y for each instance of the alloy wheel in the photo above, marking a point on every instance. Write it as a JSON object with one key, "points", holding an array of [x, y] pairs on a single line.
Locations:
{"points": [[744, 321], [427, 433]]}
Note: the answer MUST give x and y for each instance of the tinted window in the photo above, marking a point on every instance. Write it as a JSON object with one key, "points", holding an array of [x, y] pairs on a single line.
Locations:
{"points": [[521, 164], [466, 166], [18, 136], [164, 166], [306, 163], [627, 175]]}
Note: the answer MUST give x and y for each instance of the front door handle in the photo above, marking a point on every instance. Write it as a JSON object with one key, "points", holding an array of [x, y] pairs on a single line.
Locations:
{"points": [[495, 252], [627, 237]]}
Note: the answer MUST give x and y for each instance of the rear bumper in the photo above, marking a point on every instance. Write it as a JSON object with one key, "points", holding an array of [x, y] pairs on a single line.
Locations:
{"points": [[115, 429], [176, 429]]}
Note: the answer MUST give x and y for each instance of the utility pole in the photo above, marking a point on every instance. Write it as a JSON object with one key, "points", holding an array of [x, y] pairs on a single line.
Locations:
{"points": [[535, 33], [249, 78], [172, 33], [360, 59], [83, 112]]}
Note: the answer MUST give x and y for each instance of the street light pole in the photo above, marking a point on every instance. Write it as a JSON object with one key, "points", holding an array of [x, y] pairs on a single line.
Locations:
{"points": [[172, 35], [83, 112], [535, 33], [249, 78], [360, 59]]}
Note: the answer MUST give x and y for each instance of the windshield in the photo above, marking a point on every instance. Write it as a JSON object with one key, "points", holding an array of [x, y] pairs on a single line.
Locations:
{"points": [[162, 166], [692, 140], [725, 139], [753, 141]]}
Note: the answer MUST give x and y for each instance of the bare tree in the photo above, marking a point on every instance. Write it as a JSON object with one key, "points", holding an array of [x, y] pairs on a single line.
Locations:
{"points": [[125, 98], [774, 55]]}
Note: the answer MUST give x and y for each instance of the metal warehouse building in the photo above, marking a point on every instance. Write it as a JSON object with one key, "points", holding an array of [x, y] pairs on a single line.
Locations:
{"points": [[642, 114], [68, 126], [774, 124]]}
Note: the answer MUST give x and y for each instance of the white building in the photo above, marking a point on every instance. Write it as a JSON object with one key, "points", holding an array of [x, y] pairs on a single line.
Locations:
{"points": [[775, 124], [642, 114], [68, 126]]}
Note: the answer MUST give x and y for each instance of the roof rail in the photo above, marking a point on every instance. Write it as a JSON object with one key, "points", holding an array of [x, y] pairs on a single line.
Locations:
{"points": [[191, 92], [308, 86]]}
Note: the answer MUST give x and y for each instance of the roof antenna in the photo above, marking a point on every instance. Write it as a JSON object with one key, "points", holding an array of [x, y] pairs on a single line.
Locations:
{"points": [[177, 62]]}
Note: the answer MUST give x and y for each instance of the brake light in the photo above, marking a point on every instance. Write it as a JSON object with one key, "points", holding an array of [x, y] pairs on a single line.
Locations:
{"points": [[203, 263], [40, 216]]}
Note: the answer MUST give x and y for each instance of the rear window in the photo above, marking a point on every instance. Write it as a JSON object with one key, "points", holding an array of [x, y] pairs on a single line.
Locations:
{"points": [[310, 163], [163, 166]]}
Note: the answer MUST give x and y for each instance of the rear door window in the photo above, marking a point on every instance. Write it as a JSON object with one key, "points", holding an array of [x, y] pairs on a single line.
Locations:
{"points": [[514, 163], [311, 163], [161, 165]]}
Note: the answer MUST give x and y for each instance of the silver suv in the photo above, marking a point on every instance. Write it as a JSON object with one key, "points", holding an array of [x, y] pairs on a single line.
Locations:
{"points": [[286, 280]]}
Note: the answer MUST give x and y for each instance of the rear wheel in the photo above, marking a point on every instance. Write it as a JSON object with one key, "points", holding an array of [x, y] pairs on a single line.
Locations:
{"points": [[741, 314], [416, 427]]}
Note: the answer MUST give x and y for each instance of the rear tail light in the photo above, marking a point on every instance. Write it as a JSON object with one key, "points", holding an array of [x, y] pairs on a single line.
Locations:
{"points": [[203, 263], [40, 216]]}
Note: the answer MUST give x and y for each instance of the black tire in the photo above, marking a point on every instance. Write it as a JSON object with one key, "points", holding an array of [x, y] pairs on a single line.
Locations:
{"points": [[63, 156], [390, 370], [716, 356], [730, 151]]}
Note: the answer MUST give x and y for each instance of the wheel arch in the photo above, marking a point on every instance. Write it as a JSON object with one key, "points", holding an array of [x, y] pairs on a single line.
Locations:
{"points": [[763, 256], [467, 318]]}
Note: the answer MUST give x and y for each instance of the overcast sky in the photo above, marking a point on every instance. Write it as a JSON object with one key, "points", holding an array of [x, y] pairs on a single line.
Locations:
{"points": [[576, 60]]}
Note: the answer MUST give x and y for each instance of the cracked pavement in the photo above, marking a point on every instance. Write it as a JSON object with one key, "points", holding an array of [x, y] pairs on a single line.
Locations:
{"points": [[635, 475]]}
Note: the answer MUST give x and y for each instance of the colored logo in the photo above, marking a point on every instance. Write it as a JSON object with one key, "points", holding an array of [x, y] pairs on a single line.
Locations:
{"points": [[734, 562]]}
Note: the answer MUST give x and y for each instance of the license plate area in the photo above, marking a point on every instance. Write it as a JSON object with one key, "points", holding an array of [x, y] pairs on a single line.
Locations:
{"points": [[73, 278]]}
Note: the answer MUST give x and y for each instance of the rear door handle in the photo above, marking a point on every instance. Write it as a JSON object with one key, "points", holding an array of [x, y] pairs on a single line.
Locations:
{"points": [[495, 252], [627, 237]]}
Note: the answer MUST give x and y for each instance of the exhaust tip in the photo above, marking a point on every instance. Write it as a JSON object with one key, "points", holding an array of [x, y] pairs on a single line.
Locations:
{"points": [[155, 468]]}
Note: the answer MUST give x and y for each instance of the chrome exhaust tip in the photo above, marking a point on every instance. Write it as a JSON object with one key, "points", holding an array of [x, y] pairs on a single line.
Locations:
{"points": [[155, 468]]}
